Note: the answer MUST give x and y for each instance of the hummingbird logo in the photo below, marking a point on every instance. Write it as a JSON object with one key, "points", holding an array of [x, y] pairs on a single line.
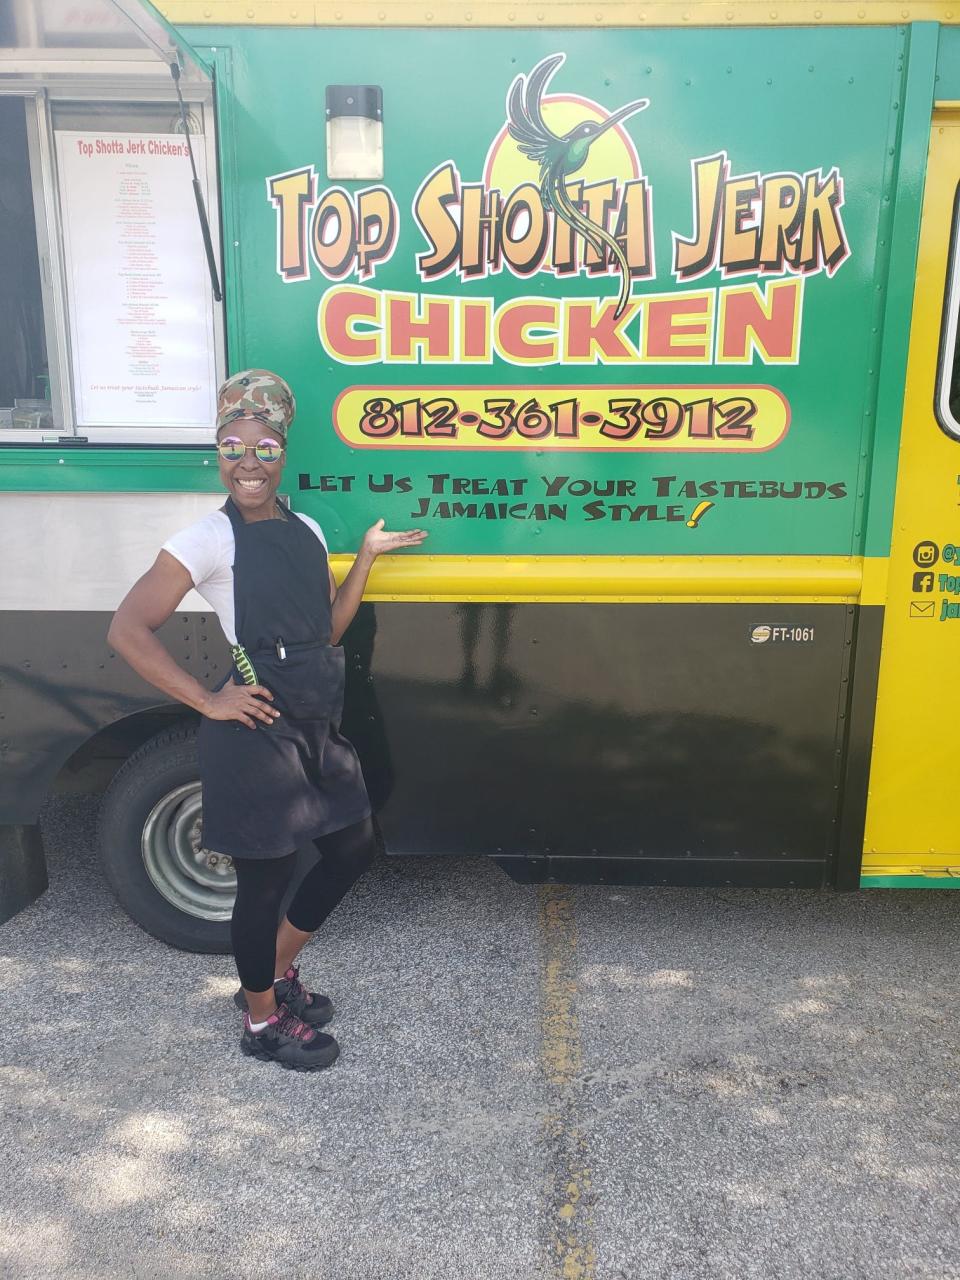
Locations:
{"points": [[560, 156]]}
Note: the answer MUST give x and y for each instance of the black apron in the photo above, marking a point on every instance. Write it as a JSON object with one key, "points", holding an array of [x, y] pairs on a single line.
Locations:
{"points": [[269, 790]]}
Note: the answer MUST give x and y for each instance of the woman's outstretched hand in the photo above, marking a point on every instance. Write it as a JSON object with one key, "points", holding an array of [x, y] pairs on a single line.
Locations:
{"points": [[377, 540]]}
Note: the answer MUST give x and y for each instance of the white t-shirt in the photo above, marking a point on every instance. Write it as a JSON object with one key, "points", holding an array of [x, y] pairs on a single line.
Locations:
{"points": [[206, 550]]}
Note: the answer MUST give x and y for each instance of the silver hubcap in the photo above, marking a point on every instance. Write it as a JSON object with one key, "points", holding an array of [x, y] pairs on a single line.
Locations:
{"points": [[195, 880]]}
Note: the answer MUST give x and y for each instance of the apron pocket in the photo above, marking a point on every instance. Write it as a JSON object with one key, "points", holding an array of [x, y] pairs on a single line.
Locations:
{"points": [[308, 683]]}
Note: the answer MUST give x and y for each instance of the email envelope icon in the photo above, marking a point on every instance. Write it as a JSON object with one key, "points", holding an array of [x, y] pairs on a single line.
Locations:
{"points": [[922, 609]]}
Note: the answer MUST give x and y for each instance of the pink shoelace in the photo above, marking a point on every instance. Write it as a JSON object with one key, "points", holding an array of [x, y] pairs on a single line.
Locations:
{"points": [[297, 988], [288, 1024]]}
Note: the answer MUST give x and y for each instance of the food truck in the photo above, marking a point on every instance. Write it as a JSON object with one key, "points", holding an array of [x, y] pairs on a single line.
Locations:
{"points": [[647, 314]]}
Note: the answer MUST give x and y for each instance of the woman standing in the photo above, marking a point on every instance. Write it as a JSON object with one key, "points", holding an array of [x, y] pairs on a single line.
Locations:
{"points": [[275, 770]]}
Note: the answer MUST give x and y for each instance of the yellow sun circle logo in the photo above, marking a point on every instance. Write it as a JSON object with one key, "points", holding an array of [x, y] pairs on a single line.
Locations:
{"points": [[612, 155]]}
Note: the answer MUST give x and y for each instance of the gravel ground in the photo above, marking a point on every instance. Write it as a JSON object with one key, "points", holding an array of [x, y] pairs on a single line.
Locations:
{"points": [[596, 1083]]}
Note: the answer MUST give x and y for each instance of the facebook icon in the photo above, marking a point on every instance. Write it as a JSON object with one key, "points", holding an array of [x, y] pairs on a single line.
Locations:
{"points": [[923, 581]]}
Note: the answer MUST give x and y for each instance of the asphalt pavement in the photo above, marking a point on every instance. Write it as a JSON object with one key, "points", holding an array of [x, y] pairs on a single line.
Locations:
{"points": [[588, 1083]]}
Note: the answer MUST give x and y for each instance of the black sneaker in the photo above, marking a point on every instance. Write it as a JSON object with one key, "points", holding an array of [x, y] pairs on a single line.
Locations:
{"points": [[314, 1008], [288, 1040]]}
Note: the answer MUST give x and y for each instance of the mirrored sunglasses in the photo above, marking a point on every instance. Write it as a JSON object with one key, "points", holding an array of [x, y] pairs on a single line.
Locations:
{"points": [[232, 449]]}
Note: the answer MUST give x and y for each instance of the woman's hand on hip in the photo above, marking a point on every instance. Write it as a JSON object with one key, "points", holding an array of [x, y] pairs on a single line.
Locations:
{"points": [[377, 540], [243, 702]]}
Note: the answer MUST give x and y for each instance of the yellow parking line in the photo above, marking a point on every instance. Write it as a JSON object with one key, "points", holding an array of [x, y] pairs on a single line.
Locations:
{"points": [[569, 1185]]}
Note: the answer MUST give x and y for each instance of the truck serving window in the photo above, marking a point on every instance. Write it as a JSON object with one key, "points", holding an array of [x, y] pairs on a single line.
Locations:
{"points": [[109, 329], [112, 334]]}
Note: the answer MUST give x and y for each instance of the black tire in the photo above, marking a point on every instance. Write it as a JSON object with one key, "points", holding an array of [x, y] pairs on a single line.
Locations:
{"points": [[153, 773]]}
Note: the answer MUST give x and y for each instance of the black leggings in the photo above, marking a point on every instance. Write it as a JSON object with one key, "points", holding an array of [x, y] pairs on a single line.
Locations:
{"points": [[262, 882]]}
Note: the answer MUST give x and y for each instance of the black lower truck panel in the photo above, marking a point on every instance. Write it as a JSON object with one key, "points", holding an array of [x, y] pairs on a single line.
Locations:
{"points": [[629, 743], [649, 743]]}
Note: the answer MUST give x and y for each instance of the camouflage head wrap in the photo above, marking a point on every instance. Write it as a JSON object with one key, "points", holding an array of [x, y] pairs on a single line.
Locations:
{"points": [[260, 394]]}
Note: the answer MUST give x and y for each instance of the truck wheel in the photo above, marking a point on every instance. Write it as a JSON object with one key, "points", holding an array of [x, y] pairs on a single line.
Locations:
{"points": [[152, 852]]}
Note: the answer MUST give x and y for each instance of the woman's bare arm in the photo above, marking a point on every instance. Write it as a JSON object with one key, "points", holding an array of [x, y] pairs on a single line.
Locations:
{"points": [[149, 603], [346, 599]]}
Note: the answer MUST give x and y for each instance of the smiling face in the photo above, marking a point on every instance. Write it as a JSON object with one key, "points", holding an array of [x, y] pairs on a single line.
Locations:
{"points": [[251, 483]]}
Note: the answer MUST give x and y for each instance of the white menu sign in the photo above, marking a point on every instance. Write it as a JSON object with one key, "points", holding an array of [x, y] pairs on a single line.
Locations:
{"points": [[140, 303]]}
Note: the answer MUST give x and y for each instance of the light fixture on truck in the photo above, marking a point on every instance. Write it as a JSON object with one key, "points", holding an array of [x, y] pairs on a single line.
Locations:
{"points": [[354, 131]]}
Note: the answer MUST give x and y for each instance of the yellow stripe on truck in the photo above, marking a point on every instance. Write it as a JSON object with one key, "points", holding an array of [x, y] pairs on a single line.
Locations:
{"points": [[627, 579]]}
